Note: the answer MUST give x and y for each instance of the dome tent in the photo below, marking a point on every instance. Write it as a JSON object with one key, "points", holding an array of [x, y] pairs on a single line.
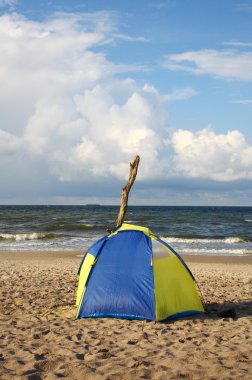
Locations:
{"points": [[133, 274]]}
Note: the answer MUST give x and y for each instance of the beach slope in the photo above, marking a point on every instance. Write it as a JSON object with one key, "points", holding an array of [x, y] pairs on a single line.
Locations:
{"points": [[40, 339]]}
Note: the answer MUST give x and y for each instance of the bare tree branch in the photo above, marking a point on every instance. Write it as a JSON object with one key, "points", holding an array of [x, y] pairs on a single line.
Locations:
{"points": [[126, 190]]}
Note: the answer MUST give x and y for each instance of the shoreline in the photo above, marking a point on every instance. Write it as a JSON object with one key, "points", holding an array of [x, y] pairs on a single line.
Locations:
{"points": [[78, 253]]}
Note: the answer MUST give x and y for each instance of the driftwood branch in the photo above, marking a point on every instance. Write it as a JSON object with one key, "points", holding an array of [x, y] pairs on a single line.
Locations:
{"points": [[126, 190]]}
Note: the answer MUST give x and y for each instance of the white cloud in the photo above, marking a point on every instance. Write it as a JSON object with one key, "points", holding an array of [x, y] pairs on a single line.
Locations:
{"points": [[181, 94], [127, 38], [10, 144], [10, 3], [70, 108], [205, 154], [244, 102], [226, 64], [238, 44], [99, 132], [64, 109]]}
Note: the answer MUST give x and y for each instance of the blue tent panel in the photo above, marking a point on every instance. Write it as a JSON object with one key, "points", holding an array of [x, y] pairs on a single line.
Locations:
{"points": [[121, 282], [94, 250]]}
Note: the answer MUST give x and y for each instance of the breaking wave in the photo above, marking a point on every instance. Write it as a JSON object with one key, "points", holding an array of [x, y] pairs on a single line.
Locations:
{"points": [[27, 236], [228, 240], [214, 252]]}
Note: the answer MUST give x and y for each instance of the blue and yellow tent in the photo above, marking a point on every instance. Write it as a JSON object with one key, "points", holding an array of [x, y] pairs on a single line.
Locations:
{"points": [[135, 275]]}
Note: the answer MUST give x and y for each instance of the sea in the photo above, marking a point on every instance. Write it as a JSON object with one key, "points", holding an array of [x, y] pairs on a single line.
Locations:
{"points": [[189, 230]]}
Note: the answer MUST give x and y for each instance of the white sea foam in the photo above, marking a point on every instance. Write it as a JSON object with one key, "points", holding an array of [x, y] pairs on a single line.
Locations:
{"points": [[85, 223], [232, 240], [23, 236], [248, 220], [214, 252], [173, 239], [229, 240]]}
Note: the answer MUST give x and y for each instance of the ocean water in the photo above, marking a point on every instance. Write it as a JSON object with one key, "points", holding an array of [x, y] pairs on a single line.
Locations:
{"points": [[189, 230]]}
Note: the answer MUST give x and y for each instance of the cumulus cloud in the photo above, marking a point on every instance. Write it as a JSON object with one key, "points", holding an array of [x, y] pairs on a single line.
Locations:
{"points": [[205, 154], [65, 110], [65, 102], [226, 64], [10, 144], [99, 132]]}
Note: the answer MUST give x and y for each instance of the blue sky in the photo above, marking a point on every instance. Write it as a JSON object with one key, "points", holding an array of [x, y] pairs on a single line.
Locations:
{"points": [[86, 85]]}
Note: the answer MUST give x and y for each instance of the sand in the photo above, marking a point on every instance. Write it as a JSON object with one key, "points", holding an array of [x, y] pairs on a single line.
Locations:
{"points": [[40, 339]]}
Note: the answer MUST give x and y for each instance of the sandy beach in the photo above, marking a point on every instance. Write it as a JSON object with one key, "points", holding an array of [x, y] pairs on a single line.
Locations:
{"points": [[40, 339]]}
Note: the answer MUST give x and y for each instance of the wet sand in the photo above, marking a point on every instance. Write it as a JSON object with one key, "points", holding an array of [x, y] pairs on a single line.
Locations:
{"points": [[40, 339]]}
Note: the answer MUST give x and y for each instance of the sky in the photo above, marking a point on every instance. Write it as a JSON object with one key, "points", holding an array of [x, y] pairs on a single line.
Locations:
{"points": [[87, 85]]}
